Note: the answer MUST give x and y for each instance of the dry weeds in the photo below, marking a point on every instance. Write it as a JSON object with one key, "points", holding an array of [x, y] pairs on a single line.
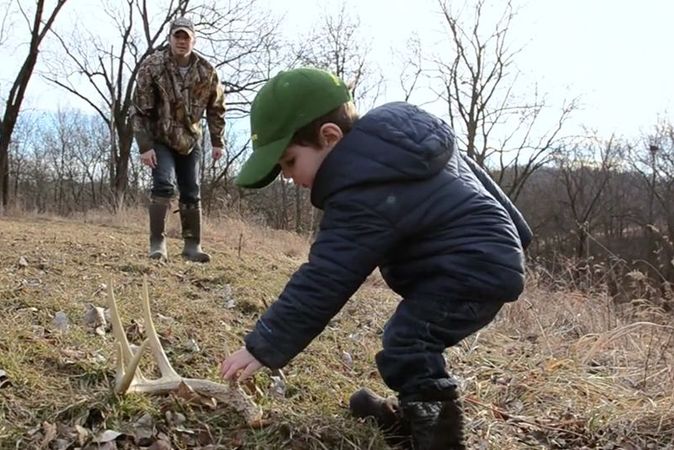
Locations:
{"points": [[556, 370]]}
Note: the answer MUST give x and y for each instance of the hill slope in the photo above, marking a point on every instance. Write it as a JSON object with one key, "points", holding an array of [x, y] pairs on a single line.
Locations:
{"points": [[556, 370]]}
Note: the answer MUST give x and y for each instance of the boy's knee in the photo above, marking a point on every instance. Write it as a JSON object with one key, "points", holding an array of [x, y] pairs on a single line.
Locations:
{"points": [[399, 332]]}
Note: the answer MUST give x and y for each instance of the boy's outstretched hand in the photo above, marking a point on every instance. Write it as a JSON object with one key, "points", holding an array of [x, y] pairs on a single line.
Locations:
{"points": [[240, 365]]}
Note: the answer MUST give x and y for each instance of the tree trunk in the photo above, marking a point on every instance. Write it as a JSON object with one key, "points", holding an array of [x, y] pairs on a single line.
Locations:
{"points": [[18, 91], [120, 176]]}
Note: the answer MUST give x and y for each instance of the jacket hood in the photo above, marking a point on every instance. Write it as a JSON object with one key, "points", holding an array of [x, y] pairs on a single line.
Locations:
{"points": [[392, 143]]}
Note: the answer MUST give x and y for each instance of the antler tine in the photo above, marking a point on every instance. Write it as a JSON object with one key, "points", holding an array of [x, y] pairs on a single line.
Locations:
{"points": [[160, 357], [117, 328], [128, 375], [125, 374], [129, 379]]}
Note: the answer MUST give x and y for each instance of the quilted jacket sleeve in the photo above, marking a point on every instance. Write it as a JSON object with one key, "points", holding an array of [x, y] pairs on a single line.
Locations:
{"points": [[352, 241]]}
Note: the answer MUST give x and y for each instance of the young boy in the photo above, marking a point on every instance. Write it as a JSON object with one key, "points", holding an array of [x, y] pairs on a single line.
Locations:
{"points": [[396, 194]]}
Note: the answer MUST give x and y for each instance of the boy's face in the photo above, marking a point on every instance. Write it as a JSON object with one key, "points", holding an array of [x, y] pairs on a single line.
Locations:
{"points": [[301, 162]]}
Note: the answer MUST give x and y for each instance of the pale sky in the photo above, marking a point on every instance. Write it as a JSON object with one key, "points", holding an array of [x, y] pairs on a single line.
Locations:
{"points": [[614, 55]]}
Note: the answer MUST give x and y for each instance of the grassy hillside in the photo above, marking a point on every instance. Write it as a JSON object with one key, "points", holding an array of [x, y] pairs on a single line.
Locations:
{"points": [[556, 370]]}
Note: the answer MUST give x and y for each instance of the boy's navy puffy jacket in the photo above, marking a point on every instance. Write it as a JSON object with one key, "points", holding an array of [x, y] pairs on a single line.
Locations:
{"points": [[397, 194]]}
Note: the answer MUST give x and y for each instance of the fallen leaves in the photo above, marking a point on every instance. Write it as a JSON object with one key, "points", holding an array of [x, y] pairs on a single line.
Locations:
{"points": [[187, 394], [278, 387], [106, 436], [141, 434], [60, 436], [95, 319], [49, 431], [144, 429], [61, 321]]}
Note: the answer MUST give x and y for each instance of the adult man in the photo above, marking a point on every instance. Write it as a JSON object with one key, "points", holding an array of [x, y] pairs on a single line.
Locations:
{"points": [[174, 87]]}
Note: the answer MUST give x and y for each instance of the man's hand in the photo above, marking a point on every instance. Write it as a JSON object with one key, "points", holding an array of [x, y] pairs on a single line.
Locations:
{"points": [[240, 365], [149, 158], [217, 153]]}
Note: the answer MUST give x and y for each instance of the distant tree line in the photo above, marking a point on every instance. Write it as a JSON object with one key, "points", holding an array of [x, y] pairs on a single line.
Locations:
{"points": [[588, 198]]}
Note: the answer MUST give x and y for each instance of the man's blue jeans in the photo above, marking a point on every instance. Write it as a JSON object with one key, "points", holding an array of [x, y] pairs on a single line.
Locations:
{"points": [[184, 169]]}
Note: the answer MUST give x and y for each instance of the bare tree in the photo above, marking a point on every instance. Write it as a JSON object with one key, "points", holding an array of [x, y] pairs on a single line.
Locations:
{"points": [[110, 70], [38, 26], [76, 147], [585, 171], [5, 21], [217, 177], [337, 44], [19, 159], [653, 160], [30, 163], [242, 41], [479, 79], [413, 66]]}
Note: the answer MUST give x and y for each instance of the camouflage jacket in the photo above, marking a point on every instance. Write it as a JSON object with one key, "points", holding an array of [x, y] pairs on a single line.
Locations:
{"points": [[167, 107]]}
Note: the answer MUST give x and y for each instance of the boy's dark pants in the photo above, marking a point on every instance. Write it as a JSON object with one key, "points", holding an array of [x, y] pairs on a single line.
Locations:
{"points": [[411, 361]]}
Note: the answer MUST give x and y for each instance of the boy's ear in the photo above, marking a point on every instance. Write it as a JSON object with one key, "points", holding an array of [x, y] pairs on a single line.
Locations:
{"points": [[330, 134]]}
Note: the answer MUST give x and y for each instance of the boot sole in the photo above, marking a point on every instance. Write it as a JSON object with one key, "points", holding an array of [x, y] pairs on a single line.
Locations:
{"points": [[197, 259]]}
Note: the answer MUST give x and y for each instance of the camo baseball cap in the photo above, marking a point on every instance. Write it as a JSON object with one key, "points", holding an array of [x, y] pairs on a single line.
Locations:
{"points": [[287, 102], [182, 24]]}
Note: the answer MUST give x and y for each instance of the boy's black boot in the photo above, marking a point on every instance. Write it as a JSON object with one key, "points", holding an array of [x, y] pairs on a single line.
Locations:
{"points": [[385, 411], [190, 219], [435, 425]]}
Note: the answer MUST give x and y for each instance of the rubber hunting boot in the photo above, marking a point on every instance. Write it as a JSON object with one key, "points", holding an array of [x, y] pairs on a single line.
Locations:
{"points": [[190, 219], [158, 210]]}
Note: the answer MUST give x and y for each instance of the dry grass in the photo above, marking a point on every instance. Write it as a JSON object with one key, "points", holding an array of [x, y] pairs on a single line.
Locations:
{"points": [[556, 370]]}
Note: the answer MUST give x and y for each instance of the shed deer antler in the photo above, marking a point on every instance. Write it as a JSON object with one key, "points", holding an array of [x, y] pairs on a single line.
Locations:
{"points": [[129, 378]]}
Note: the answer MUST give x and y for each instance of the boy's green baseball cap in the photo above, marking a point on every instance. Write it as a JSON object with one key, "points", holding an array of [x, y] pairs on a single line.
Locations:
{"points": [[286, 103]]}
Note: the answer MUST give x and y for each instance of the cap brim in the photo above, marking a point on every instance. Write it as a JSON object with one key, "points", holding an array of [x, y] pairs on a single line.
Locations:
{"points": [[262, 167], [185, 29]]}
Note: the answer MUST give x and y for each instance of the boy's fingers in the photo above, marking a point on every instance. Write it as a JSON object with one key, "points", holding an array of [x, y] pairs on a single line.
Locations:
{"points": [[247, 371], [223, 368], [227, 375], [227, 367], [232, 371]]}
